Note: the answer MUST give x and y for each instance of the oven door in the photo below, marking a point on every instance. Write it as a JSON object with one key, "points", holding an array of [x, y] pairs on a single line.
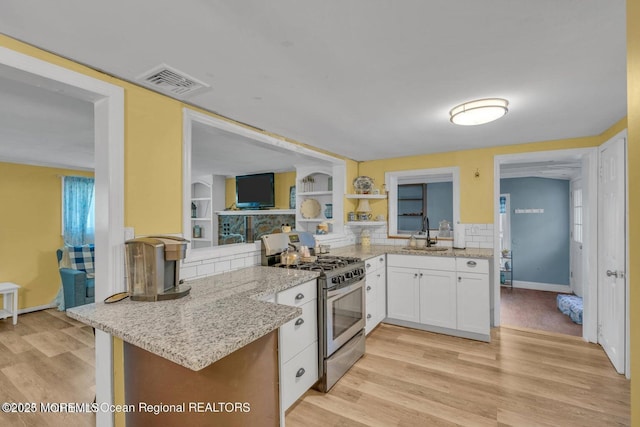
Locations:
{"points": [[345, 315]]}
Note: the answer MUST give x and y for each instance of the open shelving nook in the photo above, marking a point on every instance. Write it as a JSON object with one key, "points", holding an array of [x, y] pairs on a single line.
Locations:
{"points": [[368, 223], [319, 186]]}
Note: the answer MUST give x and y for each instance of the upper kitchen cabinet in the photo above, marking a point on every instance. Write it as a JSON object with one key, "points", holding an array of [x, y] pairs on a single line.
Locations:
{"points": [[318, 199]]}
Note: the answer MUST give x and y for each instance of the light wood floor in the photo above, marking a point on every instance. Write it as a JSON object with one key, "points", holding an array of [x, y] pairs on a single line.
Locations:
{"points": [[521, 378], [46, 357], [406, 378]]}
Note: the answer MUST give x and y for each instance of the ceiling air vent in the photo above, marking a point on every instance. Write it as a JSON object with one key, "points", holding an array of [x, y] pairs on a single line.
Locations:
{"points": [[171, 81]]}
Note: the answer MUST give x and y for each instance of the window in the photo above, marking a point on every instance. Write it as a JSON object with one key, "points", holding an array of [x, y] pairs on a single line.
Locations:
{"points": [[78, 210], [577, 215], [415, 195]]}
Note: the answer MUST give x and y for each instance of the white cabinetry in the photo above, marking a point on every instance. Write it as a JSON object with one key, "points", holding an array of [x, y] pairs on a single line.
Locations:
{"points": [[403, 294], [323, 187], [440, 294], [376, 296], [473, 295], [202, 232], [438, 298], [298, 344]]}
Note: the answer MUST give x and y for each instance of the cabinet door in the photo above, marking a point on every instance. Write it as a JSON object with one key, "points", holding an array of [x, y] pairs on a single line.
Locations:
{"points": [[473, 303], [438, 298], [403, 293], [371, 295], [381, 309]]}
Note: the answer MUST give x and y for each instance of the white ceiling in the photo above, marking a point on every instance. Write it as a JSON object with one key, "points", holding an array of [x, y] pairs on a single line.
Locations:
{"points": [[40, 124], [366, 79], [217, 152]]}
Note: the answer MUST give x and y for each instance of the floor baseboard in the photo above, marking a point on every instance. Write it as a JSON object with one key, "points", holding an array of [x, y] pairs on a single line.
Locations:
{"points": [[37, 308], [537, 286]]}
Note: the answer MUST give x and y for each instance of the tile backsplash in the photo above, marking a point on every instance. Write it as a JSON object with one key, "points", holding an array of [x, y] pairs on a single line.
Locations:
{"points": [[241, 256]]}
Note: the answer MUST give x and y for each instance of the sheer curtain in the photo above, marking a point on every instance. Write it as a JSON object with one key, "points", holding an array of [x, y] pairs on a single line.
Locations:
{"points": [[79, 210]]}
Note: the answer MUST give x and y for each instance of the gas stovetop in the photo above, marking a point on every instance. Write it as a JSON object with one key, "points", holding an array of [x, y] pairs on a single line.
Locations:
{"points": [[334, 270], [324, 263]]}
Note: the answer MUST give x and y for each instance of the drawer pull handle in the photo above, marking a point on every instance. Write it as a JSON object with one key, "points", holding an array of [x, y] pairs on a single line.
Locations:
{"points": [[381, 259], [299, 322], [471, 264], [368, 265], [368, 288], [299, 296], [369, 316], [300, 372]]}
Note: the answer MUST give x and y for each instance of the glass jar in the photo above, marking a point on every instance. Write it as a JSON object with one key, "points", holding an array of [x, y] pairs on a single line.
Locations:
{"points": [[365, 238]]}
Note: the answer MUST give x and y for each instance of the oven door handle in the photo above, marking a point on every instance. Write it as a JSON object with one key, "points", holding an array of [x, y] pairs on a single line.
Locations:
{"points": [[345, 290]]}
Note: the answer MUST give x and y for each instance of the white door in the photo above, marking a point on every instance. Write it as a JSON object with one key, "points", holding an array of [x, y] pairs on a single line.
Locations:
{"points": [[575, 244], [612, 252]]}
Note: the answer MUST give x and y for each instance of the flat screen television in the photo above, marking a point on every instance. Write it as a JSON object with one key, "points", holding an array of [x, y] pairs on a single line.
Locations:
{"points": [[255, 191]]}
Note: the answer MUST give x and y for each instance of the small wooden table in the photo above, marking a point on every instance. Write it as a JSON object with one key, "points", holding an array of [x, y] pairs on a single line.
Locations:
{"points": [[8, 289]]}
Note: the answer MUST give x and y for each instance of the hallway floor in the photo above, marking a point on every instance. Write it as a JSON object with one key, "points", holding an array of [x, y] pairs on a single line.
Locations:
{"points": [[526, 308]]}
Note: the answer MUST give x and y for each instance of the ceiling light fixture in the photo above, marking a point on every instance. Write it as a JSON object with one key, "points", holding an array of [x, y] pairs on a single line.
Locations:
{"points": [[479, 112]]}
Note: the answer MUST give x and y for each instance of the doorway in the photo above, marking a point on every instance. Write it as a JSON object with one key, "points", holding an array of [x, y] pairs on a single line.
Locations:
{"points": [[108, 105], [566, 164]]}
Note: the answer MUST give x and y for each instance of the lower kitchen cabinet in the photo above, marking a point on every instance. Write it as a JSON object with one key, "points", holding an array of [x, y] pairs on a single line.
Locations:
{"points": [[403, 294], [438, 298], [439, 294], [298, 344], [376, 292], [473, 314]]}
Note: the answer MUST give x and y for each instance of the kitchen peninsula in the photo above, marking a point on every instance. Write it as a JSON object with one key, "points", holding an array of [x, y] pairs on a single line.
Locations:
{"points": [[218, 344]]}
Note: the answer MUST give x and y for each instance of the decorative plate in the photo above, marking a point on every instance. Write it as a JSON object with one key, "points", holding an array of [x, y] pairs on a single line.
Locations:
{"points": [[363, 184], [310, 208]]}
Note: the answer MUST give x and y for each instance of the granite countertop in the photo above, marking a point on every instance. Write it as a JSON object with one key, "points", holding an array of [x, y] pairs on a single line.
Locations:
{"points": [[376, 250], [222, 314]]}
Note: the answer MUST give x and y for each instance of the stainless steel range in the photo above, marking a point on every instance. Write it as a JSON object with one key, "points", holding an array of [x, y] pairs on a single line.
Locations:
{"points": [[341, 302]]}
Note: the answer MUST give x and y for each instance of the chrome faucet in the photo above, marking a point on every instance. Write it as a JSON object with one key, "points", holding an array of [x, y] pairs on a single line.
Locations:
{"points": [[425, 220]]}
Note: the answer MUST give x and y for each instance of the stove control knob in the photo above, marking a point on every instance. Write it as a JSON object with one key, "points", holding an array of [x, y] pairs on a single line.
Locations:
{"points": [[349, 274], [336, 279]]}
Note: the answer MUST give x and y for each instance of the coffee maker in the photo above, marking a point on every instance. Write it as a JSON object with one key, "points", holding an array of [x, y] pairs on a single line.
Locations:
{"points": [[153, 268]]}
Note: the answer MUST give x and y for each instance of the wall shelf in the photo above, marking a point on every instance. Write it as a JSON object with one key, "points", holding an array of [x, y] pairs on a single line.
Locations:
{"points": [[366, 196], [258, 212], [315, 193], [366, 223]]}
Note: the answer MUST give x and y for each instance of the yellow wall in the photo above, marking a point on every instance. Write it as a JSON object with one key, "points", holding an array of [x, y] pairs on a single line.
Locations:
{"points": [[153, 162], [633, 129], [282, 183], [476, 194], [31, 230]]}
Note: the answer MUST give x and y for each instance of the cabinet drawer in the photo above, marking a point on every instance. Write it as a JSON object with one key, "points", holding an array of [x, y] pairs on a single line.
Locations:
{"points": [[299, 295], [422, 261], [300, 332], [299, 374], [374, 263], [472, 265]]}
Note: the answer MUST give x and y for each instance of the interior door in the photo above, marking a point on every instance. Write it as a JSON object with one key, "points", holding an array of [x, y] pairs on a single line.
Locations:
{"points": [[612, 252], [575, 277]]}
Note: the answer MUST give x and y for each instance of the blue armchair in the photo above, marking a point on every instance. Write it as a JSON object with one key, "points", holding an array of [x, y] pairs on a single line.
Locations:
{"points": [[77, 288]]}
